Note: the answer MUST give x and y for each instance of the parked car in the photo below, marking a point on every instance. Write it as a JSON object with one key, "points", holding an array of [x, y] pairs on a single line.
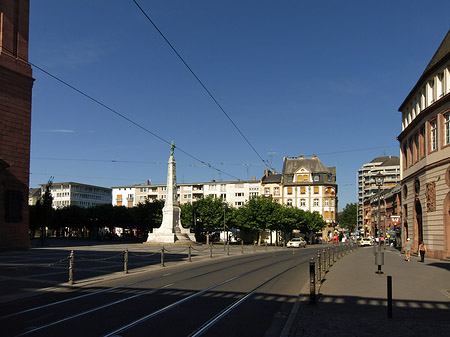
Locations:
{"points": [[366, 242], [296, 243]]}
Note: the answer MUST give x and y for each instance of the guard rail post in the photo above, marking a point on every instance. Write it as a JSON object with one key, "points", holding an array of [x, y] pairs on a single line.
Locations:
{"points": [[319, 272], [162, 257], [125, 261], [312, 282], [189, 254], [71, 265]]}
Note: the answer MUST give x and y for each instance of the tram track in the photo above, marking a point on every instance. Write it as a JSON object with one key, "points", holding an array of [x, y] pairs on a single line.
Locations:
{"points": [[180, 277]]}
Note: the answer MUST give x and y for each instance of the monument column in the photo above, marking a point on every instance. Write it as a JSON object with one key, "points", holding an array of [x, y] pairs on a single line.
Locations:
{"points": [[171, 230]]}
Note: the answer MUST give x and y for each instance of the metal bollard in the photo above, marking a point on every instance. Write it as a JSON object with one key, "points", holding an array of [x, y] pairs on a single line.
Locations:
{"points": [[319, 263], [242, 247], [190, 255], [71, 265], [125, 261], [210, 250], [389, 296], [162, 257], [329, 258], [265, 244], [228, 248], [254, 246], [312, 282], [334, 254], [324, 262]]}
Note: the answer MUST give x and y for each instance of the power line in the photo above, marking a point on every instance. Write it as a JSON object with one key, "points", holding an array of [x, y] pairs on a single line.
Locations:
{"points": [[120, 115], [353, 150], [99, 160], [201, 83]]}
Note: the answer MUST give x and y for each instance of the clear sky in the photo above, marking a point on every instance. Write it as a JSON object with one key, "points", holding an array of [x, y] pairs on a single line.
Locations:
{"points": [[296, 77]]}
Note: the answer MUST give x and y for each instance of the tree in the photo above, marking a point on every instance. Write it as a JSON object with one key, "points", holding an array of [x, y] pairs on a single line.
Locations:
{"points": [[348, 217], [42, 213], [257, 215]]}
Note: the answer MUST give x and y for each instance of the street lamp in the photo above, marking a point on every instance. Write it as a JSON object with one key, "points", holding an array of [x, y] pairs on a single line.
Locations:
{"points": [[379, 256], [224, 235]]}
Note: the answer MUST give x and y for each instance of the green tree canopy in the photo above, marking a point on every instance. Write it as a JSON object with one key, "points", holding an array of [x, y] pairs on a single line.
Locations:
{"points": [[348, 217]]}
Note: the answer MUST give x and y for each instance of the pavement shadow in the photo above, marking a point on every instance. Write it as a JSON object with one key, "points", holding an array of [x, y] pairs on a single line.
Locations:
{"points": [[361, 316]]}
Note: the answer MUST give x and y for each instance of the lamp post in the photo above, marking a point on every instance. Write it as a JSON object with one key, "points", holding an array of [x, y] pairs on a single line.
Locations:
{"points": [[379, 256], [224, 234]]}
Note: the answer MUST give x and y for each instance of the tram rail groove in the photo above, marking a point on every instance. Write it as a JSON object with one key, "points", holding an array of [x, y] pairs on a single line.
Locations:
{"points": [[153, 290]]}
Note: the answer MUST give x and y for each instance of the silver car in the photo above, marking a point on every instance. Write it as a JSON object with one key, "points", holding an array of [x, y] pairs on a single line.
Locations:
{"points": [[296, 243]]}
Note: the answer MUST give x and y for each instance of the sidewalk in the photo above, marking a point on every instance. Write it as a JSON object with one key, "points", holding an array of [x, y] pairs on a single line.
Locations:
{"points": [[352, 300]]}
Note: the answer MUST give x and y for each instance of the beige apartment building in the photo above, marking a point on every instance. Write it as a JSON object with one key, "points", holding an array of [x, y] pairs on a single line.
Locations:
{"points": [[311, 186], [425, 157]]}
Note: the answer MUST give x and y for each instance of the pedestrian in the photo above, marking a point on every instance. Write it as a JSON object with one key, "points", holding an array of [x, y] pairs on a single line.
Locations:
{"points": [[408, 250], [422, 251]]}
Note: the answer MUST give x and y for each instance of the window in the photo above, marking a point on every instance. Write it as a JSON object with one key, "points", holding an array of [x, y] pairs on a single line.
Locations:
{"points": [[316, 178], [267, 190], [431, 92], [327, 215], [187, 196], [302, 190], [433, 135], [238, 203], [13, 206], [239, 194], [289, 202], [276, 191], [316, 203], [440, 85], [422, 142], [302, 202], [327, 202], [316, 189], [416, 148], [289, 178], [289, 190], [447, 128], [163, 188]]}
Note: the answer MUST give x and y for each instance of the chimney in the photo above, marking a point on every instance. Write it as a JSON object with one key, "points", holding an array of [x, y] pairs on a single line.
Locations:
{"points": [[266, 173], [253, 178], [301, 155], [148, 182]]}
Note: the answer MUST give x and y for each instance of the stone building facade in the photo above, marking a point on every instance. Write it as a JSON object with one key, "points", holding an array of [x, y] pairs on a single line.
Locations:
{"points": [[425, 157]]}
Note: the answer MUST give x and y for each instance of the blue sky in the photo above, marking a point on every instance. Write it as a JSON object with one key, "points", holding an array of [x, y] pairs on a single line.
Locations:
{"points": [[296, 77]]}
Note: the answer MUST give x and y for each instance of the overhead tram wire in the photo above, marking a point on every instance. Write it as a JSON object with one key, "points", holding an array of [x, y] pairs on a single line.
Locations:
{"points": [[121, 115], [202, 85]]}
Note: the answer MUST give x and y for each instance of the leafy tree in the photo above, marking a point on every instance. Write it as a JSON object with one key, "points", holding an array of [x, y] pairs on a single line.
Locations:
{"points": [[257, 215], [348, 217], [314, 223], [41, 215]]}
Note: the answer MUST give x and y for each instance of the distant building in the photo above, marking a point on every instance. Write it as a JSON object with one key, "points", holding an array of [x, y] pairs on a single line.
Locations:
{"points": [[16, 84], [33, 196], [235, 193], [76, 194], [389, 167], [271, 186], [311, 186], [425, 157]]}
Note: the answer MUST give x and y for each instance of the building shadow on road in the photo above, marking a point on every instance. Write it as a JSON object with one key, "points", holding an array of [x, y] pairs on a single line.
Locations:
{"points": [[360, 316]]}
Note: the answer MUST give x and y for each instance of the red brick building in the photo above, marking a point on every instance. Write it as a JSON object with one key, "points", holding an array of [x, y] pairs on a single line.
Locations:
{"points": [[16, 83]]}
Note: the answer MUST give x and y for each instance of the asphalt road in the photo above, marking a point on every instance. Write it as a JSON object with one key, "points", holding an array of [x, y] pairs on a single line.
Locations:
{"points": [[241, 295]]}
